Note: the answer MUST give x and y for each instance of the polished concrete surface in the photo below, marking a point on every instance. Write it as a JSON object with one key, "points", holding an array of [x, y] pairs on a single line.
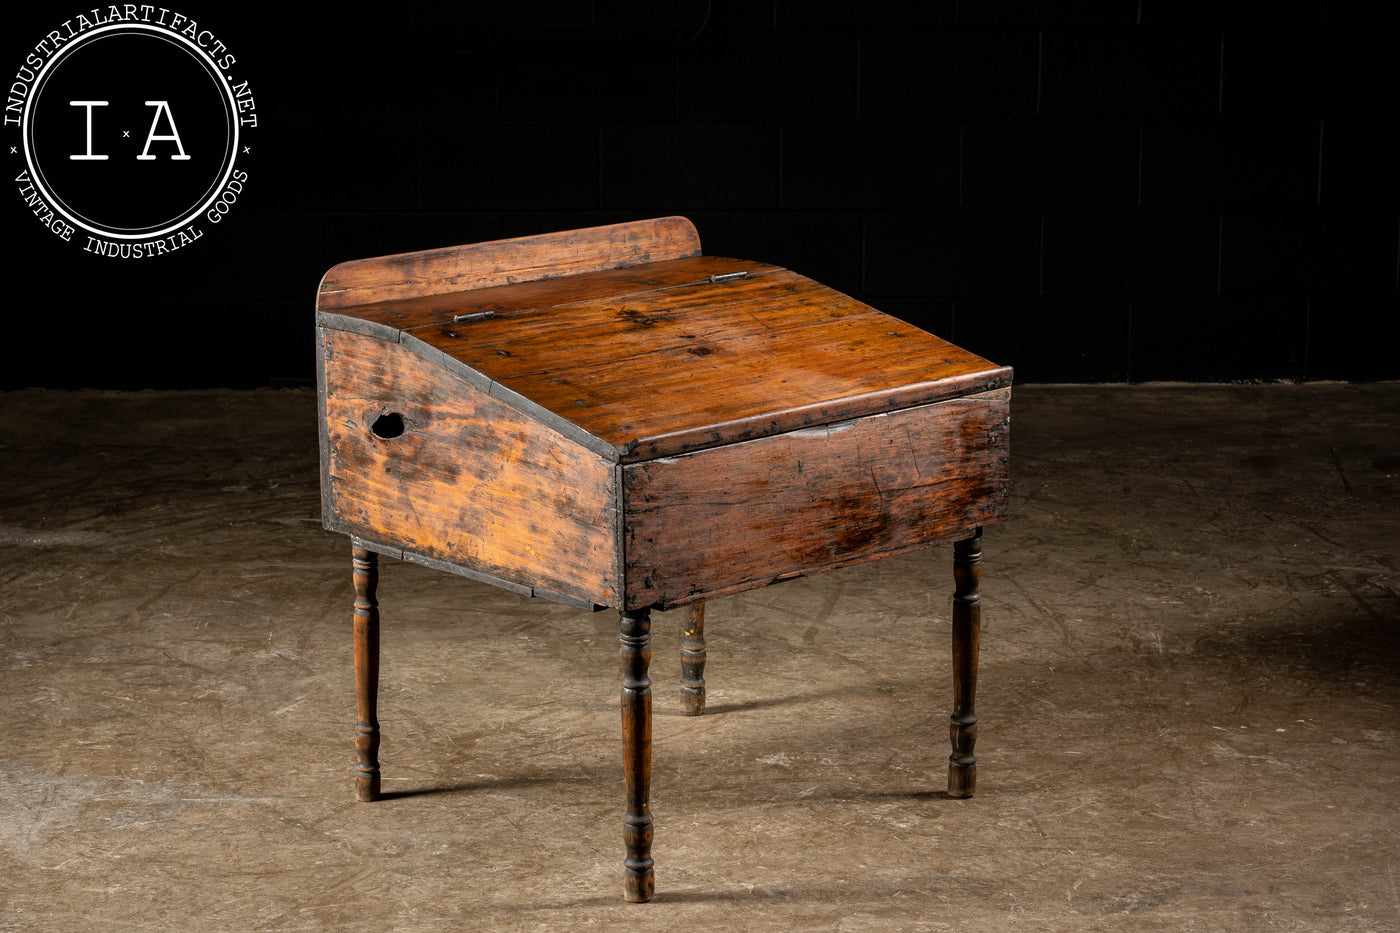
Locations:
{"points": [[1190, 695]]}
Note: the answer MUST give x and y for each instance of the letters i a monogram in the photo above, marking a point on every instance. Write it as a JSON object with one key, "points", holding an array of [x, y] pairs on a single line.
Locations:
{"points": [[162, 107]]}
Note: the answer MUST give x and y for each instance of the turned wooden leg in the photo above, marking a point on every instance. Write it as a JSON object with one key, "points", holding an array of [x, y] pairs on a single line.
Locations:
{"points": [[366, 564], [636, 753], [967, 630], [693, 662]]}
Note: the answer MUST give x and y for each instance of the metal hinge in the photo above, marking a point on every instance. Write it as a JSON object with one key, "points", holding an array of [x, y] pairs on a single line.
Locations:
{"points": [[728, 276], [473, 316]]}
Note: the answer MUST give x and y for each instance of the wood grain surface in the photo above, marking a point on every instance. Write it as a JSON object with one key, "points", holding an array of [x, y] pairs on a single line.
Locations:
{"points": [[628, 334], [408, 314], [670, 370], [665, 370], [749, 514], [469, 481], [505, 262]]}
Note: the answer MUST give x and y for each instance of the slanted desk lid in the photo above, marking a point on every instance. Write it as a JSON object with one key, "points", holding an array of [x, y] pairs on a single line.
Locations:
{"points": [[665, 357]]}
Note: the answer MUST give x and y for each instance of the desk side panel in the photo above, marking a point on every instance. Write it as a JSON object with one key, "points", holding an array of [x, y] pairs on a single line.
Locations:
{"points": [[732, 518], [469, 480]]}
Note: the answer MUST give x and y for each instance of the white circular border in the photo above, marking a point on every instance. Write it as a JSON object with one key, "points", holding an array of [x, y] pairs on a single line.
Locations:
{"points": [[203, 59]]}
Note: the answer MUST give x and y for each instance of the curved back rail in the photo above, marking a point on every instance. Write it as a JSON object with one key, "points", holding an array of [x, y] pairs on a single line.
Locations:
{"points": [[506, 262]]}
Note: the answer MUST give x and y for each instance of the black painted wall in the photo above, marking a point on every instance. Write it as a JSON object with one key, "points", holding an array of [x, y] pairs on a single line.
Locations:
{"points": [[1089, 191]]}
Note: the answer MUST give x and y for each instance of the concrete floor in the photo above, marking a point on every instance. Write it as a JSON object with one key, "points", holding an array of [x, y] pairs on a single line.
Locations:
{"points": [[1190, 696]]}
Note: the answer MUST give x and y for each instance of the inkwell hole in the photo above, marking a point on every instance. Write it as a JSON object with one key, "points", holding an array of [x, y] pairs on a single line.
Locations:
{"points": [[388, 425]]}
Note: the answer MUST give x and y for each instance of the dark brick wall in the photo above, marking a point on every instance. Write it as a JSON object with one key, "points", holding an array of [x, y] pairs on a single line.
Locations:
{"points": [[1089, 191]]}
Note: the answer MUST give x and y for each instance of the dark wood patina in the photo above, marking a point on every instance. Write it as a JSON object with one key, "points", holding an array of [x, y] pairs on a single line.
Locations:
{"points": [[366, 577], [693, 661], [609, 419]]}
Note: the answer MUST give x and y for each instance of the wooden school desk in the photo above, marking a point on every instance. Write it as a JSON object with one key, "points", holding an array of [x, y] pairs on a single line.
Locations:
{"points": [[609, 418]]}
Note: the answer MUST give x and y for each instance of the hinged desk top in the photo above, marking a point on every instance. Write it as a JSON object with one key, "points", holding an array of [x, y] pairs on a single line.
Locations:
{"points": [[664, 356], [609, 418]]}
